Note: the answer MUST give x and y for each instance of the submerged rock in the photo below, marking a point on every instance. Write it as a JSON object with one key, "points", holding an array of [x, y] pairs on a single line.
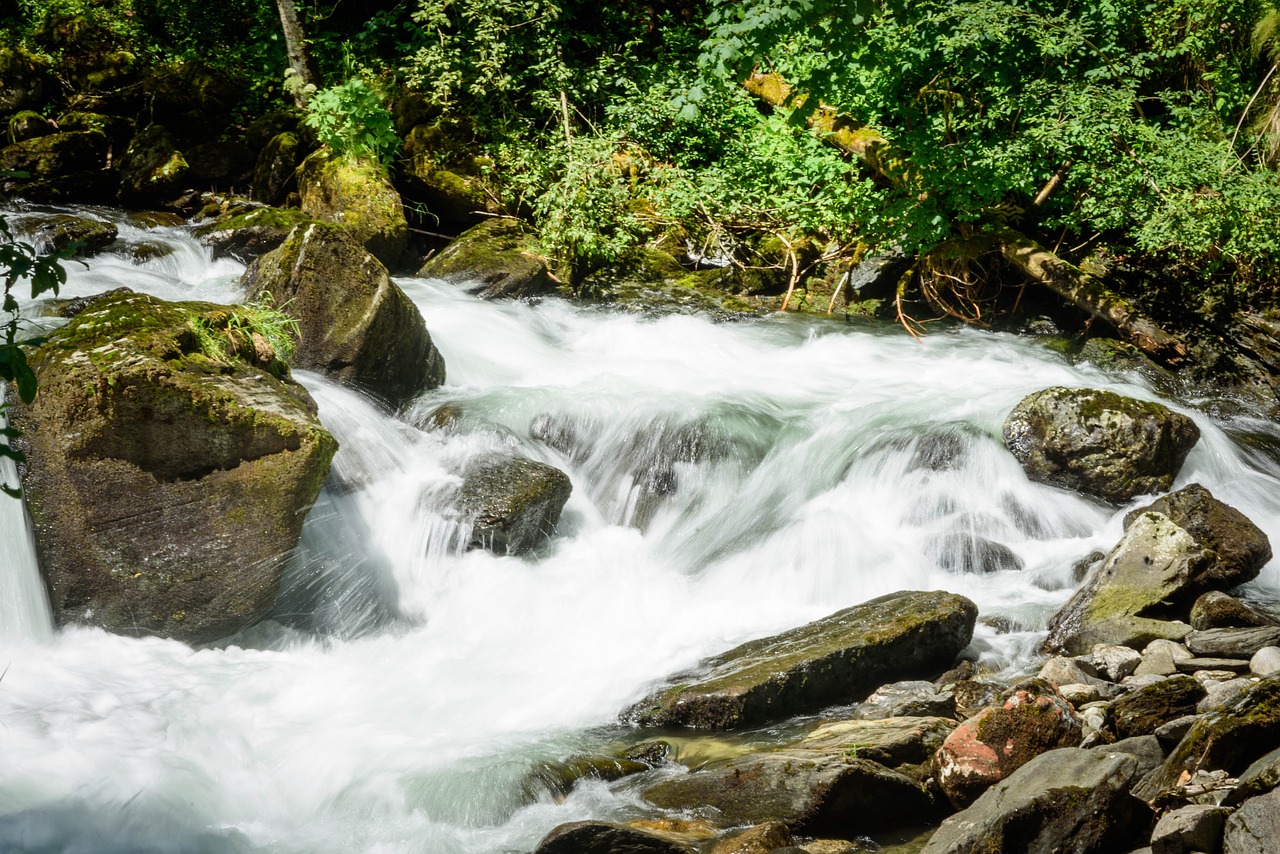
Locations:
{"points": [[357, 195], [1171, 552], [167, 482], [1068, 801], [512, 503], [1099, 443], [496, 258], [355, 324], [839, 659]]}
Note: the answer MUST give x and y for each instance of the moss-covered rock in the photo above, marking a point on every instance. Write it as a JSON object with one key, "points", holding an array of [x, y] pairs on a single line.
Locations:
{"points": [[1172, 551], [356, 325], [1070, 801], [246, 233], [511, 503], [171, 464], [441, 175], [219, 163], [1099, 443], [273, 174], [812, 793], [1146, 709], [839, 659], [1228, 739], [357, 195], [496, 258], [194, 98], [153, 170], [1217, 610], [28, 124], [59, 231], [1029, 719], [25, 80], [118, 129], [651, 281], [58, 167]]}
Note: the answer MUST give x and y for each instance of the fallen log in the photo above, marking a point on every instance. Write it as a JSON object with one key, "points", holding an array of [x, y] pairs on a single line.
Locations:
{"points": [[1037, 263], [1084, 291]]}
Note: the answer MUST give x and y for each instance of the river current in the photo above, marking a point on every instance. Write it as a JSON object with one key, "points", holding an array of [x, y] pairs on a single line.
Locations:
{"points": [[730, 480]]}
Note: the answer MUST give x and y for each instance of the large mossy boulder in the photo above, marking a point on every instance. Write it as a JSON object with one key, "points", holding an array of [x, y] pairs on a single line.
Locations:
{"points": [[58, 167], [24, 80], [1099, 443], [839, 659], [496, 258], [153, 171], [171, 465], [1067, 801], [355, 324], [357, 195], [1150, 707], [1172, 551], [512, 504]]}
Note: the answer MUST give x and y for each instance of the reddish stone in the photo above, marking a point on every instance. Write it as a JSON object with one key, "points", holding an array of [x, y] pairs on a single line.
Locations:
{"points": [[1029, 719]]}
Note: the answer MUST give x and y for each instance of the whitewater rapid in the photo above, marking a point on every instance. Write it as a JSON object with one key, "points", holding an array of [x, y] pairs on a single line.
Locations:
{"points": [[729, 480]]}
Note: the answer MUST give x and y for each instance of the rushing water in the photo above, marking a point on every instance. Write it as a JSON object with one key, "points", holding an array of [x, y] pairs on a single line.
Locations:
{"points": [[730, 480]]}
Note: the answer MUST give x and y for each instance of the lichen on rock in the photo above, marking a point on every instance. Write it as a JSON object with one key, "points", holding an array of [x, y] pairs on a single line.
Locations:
{"points": [[167, 485]]}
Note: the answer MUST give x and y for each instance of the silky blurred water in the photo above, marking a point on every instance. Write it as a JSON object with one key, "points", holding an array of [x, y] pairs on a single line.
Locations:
{"points": [[729, 480]]}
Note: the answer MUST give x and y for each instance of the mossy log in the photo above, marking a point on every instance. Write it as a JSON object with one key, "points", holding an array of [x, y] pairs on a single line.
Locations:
{"points": [[1039, 264], [1084, 291]]}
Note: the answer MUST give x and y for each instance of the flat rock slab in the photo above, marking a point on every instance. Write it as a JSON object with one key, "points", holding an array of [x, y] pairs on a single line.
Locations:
{"points": [[1229, 665], [838, 659], [1232, 643], [890, 741], [1068, 801]]}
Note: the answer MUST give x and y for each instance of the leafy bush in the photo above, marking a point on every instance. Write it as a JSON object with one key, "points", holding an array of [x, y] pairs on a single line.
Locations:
{"points": [[352, 120]]}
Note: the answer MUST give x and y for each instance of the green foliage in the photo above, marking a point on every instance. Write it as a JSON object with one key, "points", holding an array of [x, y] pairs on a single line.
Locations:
{"points": [[221, 341], [352, 120], [1131, 103], [19, 261]]}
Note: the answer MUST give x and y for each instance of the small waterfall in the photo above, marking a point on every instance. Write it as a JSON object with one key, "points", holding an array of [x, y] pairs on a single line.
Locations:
{"points": [[24, 608]]}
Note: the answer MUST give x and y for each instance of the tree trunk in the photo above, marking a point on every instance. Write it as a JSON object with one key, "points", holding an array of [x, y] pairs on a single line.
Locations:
{"points": [[1037, 263], [295, 46]]}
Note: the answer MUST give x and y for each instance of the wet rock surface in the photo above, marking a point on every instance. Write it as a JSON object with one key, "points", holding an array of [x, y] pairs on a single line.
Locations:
{"points": [[219, 455], [355, 325], [511, 503], [841, 658], [1099, 443]]}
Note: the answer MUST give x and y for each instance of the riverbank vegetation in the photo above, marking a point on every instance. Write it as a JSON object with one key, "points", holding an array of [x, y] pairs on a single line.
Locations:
{"points": [[1133, 143]]}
